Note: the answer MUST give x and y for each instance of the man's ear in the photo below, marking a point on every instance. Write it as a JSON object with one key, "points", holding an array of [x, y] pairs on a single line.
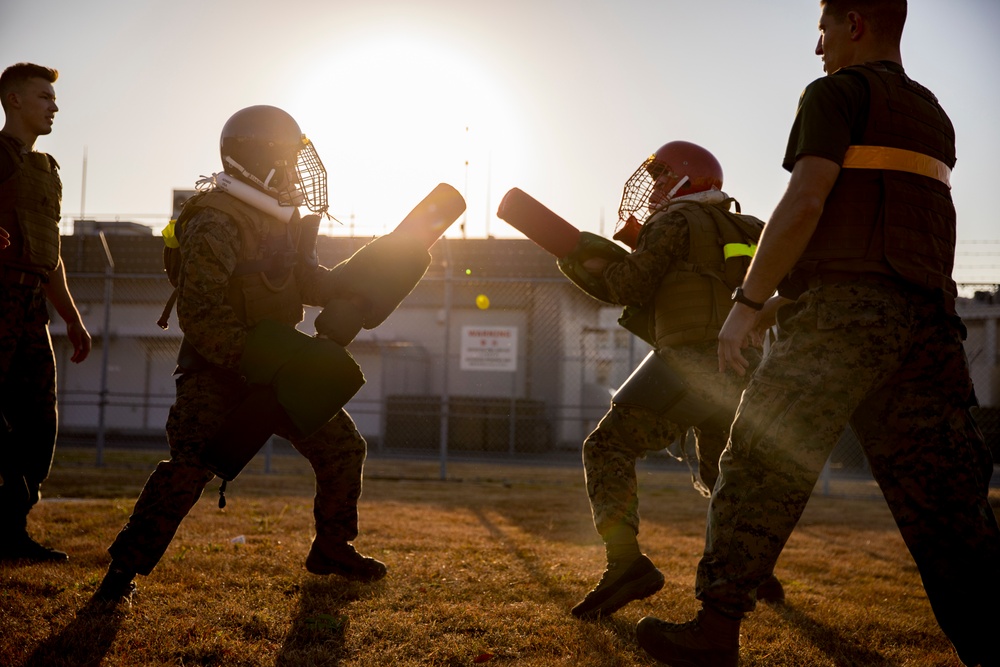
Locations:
{"points": [[857, 24], [12, 101]]}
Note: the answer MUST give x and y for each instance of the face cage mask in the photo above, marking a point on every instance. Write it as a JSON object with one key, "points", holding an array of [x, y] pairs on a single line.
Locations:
{"points": [[311, 176], [639, 188], [308, 186]]}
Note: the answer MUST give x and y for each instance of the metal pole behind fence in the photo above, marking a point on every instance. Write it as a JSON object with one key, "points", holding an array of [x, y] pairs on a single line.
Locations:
{"points": [[512, 434], [444, 366], [268, 453], [109, 280]]}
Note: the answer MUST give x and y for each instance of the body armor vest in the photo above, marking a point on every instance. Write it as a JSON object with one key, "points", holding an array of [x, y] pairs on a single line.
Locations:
{"points": [[30, 210], [887, 221], [693, 300], [263, 285]]}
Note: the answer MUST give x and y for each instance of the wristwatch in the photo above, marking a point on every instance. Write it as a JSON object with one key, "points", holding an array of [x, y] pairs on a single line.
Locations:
{"points": [[739, 297]]}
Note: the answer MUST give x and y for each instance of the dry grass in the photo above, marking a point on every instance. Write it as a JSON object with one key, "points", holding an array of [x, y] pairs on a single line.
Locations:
{"points": [[483, 569]]}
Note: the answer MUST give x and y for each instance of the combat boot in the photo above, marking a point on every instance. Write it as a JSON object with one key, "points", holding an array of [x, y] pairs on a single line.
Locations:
{"points": [[116, 588], [344, 560], [19, 546], [711, 640], [622, 582]]}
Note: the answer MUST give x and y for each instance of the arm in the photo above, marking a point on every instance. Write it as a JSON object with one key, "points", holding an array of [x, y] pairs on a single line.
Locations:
{"points": [[211, 243], [57, 292], [634, 280], [784, 239]]}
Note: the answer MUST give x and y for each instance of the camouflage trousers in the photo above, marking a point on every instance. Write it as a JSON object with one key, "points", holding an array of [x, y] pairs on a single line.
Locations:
{"points": [[891, 363], [629, 432], [204, 398], [28, 410]]}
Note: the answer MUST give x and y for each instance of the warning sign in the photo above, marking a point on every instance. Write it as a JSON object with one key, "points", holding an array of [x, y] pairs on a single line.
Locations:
{"points": [[489, 349]]}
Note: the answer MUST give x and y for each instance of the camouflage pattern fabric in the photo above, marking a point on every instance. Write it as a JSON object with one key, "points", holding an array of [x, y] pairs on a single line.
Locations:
{"points": [[891, 362], [336, 453], [627, 433], [27, 402], [211, 249], [662, 241]]}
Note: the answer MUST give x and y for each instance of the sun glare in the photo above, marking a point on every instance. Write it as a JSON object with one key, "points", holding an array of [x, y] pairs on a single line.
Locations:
{"points": [[392, 117]]}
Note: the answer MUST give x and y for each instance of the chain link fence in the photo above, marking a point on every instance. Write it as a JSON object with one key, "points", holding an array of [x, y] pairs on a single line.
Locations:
{"points": [[493, 356]]}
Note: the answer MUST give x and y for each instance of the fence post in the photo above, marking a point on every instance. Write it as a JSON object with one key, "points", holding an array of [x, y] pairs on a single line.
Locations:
{"points": [[512, 431], [109, 281], [268, 453], [444, 366]]}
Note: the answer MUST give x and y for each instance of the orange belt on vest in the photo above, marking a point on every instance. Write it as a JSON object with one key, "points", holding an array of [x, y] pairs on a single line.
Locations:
{"points": [[897, 159]]}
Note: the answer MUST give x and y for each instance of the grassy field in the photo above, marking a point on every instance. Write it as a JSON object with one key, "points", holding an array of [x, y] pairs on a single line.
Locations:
{"points": [[483, 569]]}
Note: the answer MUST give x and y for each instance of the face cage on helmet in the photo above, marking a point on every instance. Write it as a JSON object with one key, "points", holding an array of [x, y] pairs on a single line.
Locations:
{"points": [[638, 189], [311, 176]]}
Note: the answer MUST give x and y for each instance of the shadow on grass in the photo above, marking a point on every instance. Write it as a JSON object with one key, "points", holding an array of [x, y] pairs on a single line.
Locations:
{"points": [[829, 641], [529, 563], [82, 643], [319, 628], [616, 626]]}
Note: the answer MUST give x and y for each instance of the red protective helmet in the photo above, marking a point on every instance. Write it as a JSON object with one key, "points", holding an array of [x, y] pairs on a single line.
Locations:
{"points": [[676, 169]]}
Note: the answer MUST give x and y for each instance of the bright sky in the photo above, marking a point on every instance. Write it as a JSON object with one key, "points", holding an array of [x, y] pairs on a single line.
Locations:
{"points": [[562, 98]]}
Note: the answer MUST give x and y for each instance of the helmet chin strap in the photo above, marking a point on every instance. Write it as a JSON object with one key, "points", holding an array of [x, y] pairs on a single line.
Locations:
{"points": [[290, 197], [246, 174], [267, 181], [669, 197], [677, 186]]}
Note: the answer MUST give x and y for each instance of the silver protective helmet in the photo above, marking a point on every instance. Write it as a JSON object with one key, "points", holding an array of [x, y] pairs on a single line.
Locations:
{"points": [[264, 147]]}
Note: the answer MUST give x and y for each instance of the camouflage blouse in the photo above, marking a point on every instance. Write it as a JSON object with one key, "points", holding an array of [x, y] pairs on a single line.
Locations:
{"points": [[663, 240]]}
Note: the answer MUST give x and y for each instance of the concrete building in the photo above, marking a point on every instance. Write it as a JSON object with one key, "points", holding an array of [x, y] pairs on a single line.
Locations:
{"points": [[525, 359], [494, 336]]}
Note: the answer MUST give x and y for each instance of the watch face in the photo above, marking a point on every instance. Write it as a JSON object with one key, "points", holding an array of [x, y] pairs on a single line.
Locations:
{"points": [[738, 297]]}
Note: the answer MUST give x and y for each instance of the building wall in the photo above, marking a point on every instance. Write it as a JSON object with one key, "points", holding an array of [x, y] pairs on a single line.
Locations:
{"points": [[416, 352], [570, 354], [981, 346]]}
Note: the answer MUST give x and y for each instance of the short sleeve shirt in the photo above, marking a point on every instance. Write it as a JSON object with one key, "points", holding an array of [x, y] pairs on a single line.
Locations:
{"points": [[832, 115], [6, 166]]}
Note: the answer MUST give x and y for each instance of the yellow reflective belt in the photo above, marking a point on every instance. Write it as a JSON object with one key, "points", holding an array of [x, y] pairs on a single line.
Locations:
{"points": [[897, 159], [738, 250]]}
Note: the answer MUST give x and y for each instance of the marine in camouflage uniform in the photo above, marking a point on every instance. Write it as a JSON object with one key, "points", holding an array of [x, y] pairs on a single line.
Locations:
{"points": [[31, 275], [242, 268], [868, 336], [676, 274], [629, 432], [208, 394]]}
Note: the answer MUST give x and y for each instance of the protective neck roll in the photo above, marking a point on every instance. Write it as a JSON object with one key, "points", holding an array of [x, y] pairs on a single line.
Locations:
{"points": [[703, 197], [712, 196], [248, 195]]}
